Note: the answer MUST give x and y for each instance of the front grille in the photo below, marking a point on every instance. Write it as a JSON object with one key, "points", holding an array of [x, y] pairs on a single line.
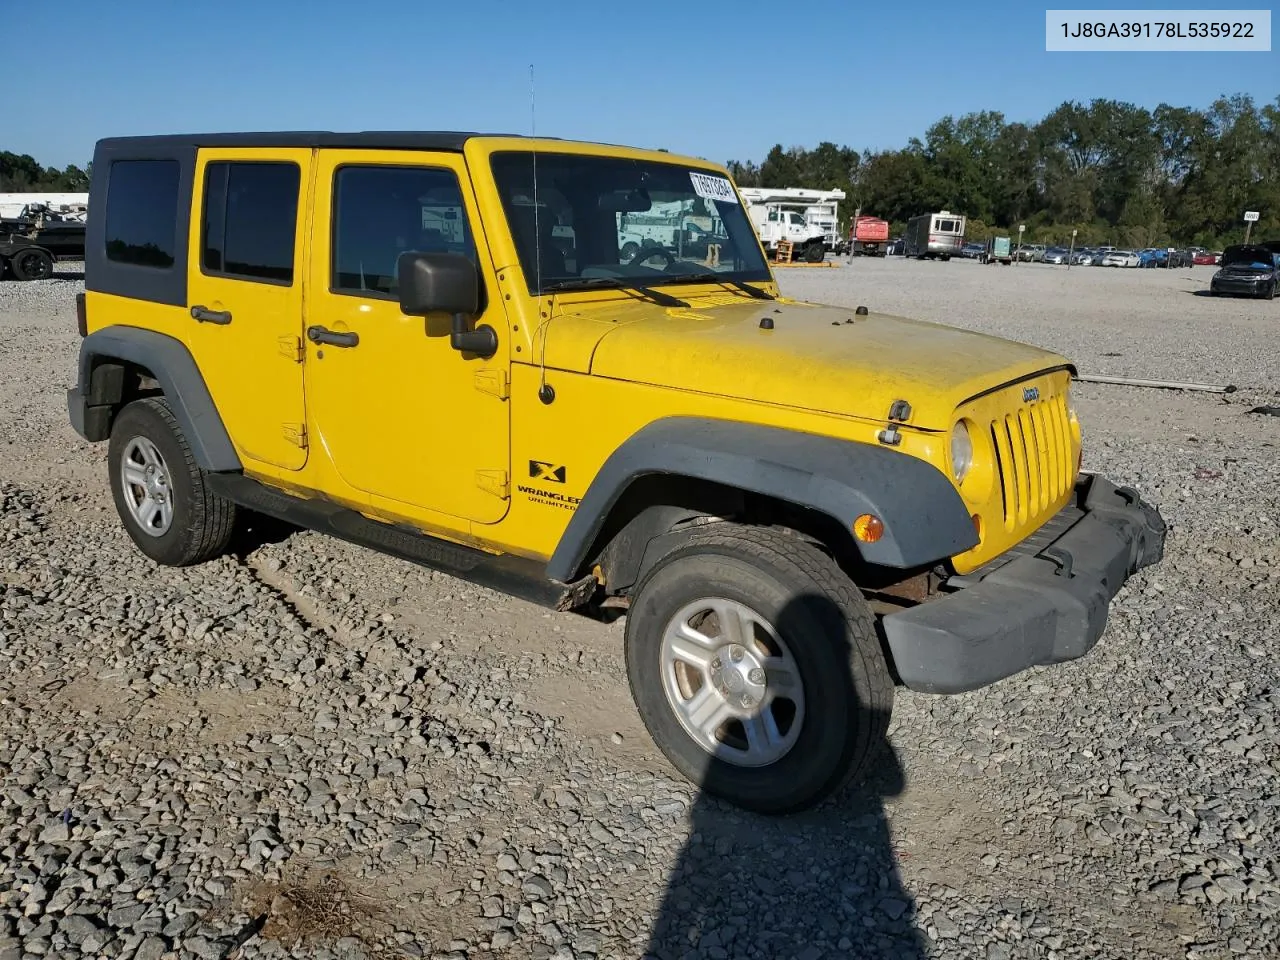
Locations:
{"points": [[1033, 459]]}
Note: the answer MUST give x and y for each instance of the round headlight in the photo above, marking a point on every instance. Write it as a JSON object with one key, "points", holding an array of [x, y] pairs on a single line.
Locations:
{"points": [[961, 451]]}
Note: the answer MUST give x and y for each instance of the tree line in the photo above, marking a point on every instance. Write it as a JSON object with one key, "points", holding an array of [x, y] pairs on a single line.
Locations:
{"points": [[21, 173], [1114, 172]]}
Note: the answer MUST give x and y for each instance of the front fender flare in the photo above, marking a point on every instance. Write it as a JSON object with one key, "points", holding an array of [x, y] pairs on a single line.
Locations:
{"points": [[179, 377], [925, 519]]}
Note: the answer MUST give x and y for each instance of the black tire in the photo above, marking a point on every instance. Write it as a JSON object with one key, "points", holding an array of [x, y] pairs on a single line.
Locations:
{"points": [[31, 265], [946, 257], [824, 621], [815, 253], [629, 251], [203, 523], [1271, 293]]}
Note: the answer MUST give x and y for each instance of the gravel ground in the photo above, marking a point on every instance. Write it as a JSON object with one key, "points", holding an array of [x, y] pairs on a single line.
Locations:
{"points": [[309, 750]]}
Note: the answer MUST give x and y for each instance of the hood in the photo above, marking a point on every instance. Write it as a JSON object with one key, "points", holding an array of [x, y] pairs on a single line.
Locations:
{"points": [[822, 358], [1251, 257]]}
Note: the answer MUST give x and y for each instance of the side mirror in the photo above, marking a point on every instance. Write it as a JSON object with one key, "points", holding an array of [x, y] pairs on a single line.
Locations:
{"points": [[448, 282]]}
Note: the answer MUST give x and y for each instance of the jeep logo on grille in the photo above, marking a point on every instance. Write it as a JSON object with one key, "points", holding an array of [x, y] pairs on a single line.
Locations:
{"points": [[1030, 393]]}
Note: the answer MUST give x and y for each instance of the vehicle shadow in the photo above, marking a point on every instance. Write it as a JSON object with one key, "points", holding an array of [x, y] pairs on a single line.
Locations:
{"points": [[817, 885], [256, 530]]}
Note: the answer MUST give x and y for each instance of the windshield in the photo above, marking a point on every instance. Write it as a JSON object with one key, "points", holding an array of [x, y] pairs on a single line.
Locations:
{"points": [[640, 223]]}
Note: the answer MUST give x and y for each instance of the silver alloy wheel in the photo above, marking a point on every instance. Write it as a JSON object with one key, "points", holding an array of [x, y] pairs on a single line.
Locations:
{"points": [[148, 488], [732, 682]]}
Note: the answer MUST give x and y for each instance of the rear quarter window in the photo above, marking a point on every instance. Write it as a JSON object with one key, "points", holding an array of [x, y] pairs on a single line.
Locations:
{"points": [[142, 212]]}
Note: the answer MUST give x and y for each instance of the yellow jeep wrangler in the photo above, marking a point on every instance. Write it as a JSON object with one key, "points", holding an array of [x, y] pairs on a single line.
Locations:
{"points": [[565, 371]]}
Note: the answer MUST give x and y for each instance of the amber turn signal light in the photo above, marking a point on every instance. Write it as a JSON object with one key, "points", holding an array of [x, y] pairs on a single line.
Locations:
{"points": [[868, 528]]}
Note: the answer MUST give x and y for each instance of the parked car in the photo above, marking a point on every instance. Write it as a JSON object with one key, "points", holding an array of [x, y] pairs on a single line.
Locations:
{"points": [[1085, 257], [1120, 258], [973, 250], [1204, 259], [1248, 270], [1030, 252], [1056, 255], [1161, 257]]}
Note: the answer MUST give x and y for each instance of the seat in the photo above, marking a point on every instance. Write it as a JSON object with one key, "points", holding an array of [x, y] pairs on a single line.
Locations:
{"points": [[536, 244]]}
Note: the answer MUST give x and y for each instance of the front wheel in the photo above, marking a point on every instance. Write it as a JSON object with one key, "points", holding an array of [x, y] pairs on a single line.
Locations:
{"points": [[815, 253], [754, 663]]}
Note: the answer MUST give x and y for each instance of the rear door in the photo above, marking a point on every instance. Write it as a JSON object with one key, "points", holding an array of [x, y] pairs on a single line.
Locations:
{"points": [[248, 243]]}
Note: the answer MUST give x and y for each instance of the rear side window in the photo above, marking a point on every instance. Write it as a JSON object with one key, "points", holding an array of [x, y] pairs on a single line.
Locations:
{"points": [[250, 220], [380, 212], [946, 226], [142, 212]]}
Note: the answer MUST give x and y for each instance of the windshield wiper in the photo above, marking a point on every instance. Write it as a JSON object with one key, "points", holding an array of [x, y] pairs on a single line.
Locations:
{"points": [[701, 277], [581, 283]]}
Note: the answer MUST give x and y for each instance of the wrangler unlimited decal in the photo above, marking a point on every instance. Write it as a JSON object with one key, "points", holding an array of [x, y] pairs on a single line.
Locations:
{"points": [[550, 497]]}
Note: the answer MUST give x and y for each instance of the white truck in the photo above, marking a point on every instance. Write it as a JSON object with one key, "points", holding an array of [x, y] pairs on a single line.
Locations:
{"points": [[808, 218], [676, 226]]}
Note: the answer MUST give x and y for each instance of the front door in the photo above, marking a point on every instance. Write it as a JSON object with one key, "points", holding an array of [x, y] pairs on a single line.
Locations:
{"points": [[244, 298], [403, 416]]}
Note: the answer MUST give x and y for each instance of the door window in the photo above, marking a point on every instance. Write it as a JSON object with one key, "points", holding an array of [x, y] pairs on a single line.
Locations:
{"points": [[250, 220], [380, 212]]}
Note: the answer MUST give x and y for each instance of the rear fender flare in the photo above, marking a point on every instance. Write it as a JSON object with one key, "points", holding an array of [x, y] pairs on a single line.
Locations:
{"points": [[173, 367]]}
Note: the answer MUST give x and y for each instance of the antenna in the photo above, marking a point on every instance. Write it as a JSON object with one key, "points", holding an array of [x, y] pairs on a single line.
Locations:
{"points": [[545, 392]]}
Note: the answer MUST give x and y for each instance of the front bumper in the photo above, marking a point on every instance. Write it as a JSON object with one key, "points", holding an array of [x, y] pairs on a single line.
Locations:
{"points": [[1239, 286], [1045, 606]]}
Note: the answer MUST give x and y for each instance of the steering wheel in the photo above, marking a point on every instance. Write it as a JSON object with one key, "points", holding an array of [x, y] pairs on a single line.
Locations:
{"points": [[647, 252]]}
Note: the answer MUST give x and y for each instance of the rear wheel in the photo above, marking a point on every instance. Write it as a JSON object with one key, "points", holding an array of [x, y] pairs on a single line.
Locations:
{"points": [[31, 265], [754, 663], [159, 490], [815, 253]]}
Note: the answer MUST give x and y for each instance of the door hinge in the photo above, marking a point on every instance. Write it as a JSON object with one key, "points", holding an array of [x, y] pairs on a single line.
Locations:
{"points": [[291, 347], [494, 482], [493, 382], [296, 433]]}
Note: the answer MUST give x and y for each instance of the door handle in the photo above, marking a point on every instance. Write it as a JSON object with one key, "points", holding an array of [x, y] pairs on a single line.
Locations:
{"points": [[205, 315], [318, 334]]}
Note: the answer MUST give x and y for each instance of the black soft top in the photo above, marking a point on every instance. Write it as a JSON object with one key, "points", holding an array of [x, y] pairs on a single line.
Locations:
{"points": [[371, 139]]}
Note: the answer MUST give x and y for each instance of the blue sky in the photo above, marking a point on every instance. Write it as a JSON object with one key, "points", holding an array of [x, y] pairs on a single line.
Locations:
{"points": [[721, 81]]}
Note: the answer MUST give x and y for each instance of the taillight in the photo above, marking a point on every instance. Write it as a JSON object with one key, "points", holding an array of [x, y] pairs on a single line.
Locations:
{"points": [[82, 321]]}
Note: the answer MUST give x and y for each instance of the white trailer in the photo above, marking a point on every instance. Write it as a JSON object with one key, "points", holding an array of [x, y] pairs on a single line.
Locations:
{"points": [[810, 219], [15, 206]]}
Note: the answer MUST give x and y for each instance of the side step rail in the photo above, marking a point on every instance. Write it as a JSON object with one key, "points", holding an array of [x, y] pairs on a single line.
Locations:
{"points": [[511, 575]]}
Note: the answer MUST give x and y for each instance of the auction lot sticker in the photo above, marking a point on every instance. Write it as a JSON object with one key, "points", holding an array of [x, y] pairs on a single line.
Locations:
{"points": [[1160, 31], [713, 188]]}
